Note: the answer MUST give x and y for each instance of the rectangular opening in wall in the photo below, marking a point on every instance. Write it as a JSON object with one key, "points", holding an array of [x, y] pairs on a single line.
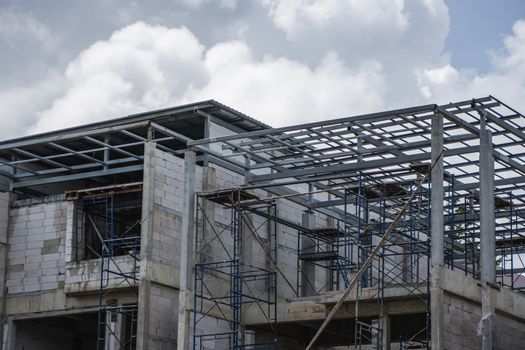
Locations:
{"points": [[109, 220], [62, 332]]}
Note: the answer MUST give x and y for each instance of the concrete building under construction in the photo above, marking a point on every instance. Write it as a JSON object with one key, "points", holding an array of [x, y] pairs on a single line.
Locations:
{"points": [[198, 227]]}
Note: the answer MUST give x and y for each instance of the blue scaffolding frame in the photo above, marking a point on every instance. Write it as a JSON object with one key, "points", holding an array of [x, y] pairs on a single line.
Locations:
{"points": [[241, 279], [112, 245]]}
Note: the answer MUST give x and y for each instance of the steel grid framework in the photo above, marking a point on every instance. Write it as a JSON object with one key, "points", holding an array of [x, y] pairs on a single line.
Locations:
{"points": [[114, 147], [328, 157]]}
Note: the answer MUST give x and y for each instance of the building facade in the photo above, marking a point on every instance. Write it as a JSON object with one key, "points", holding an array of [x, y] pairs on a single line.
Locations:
{"points": [[200, 227]]}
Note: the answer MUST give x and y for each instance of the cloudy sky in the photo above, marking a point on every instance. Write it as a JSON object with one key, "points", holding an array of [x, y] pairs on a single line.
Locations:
{"points": [[68, 62]]}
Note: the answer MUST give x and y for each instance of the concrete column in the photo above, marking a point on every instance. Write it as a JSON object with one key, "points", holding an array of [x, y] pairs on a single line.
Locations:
{"points": [[385, 328], [487, 236], [437, 227], [437, 234], [307, 268], [186, 256], [106, 151], [112, 335], [9, 335], [486, 201], [146, 235], [488, 318], [208, 209]]}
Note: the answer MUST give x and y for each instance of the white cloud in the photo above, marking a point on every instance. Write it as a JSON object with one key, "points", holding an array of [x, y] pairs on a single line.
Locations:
{"points": [[142, 67], [298, 16], [392, 58], [282, 91], [227, 4], [507, 80], [514, 57], [138, 68], [404, 36]]}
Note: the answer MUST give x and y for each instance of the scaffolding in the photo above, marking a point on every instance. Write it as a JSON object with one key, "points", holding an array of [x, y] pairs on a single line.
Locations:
{"points": [[358, 171], [118, 253], [327, 248], [463, 250], [228, 283]]}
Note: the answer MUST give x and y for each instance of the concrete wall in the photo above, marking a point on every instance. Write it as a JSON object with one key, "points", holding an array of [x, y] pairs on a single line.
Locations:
{"points": [[160, 249], [462, 317], [163, 317], [41, 276], [39, 255], [462, 313], [35, 255], [510, 333], [4, 222], [461, 323]]}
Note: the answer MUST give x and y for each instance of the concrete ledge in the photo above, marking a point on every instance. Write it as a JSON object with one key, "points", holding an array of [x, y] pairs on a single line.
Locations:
{"points": [[506, 301], [397, 300], [58, 301], [84, 276]]}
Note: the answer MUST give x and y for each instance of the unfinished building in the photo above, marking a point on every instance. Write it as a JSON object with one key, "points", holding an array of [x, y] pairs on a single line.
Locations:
{"points": [[199, 227]]}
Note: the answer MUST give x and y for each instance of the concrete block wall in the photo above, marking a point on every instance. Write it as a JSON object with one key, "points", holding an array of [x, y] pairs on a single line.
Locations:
{"points": [[218, 220], [461, 319], [163, 317], [4, 222], [287, 247], [36, 250], [167, 202], [510, 334], [4, 216], [160, 255]]}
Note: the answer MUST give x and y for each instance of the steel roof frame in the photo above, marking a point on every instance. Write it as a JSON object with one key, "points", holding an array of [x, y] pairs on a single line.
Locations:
{"points": [[84, 152], [380, 147], [386, 141]]}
